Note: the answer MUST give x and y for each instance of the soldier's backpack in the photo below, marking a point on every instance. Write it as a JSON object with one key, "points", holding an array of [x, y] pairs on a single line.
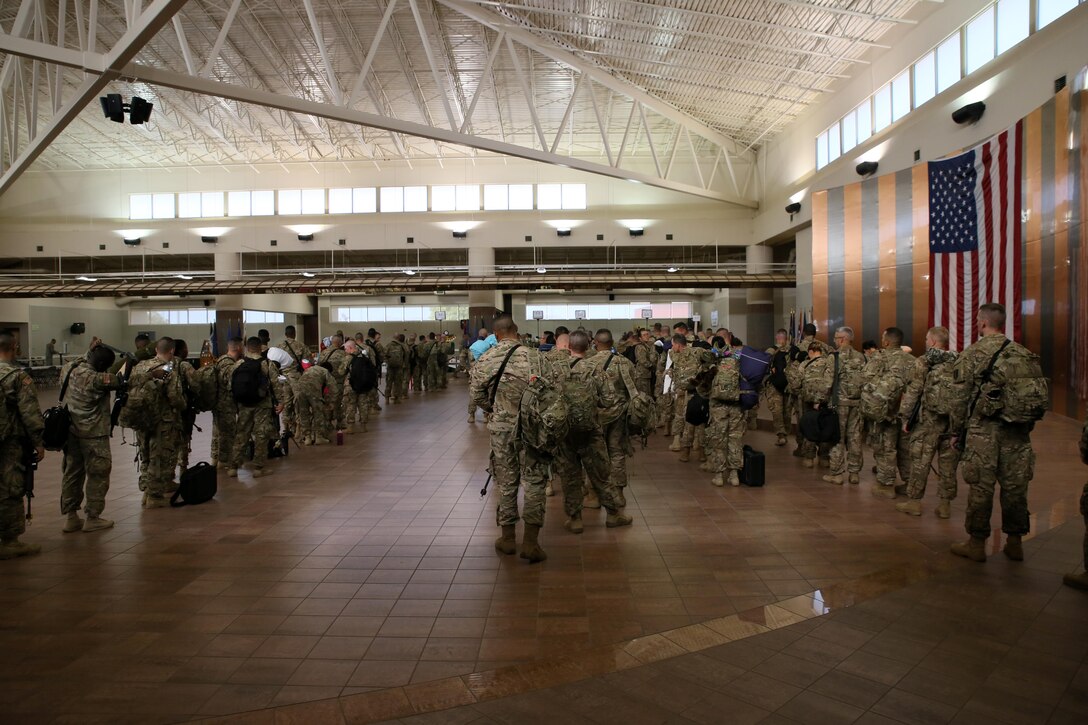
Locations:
{"points": [[939, 395], [1017, 391], [629, 353], [795, 372], [204, 388], [611, 399], [394, 355], [7, 414], [754, 366], [363, 374], [641, 409], [248, 383], [850, 376], [880, 396], [143, 402], [197, 485], [814, 388], [545, 415], [780, 363], [581, 401], [727, 384], [698, 410]]}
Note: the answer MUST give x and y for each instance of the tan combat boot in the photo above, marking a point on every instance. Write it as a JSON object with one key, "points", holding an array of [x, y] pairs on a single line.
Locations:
{"points": [[734, 478], [912, 506], [13, 548], [261, 472], [96, 523], [884, 491], [574, 524], [1077, 581], [944, 509], [530, 547], [507, 543], [717, 480], [591, 501], [685, 455], [73, 523], [855, 479], [1014, 549], [675, 444], [617, 519], [781, 440], [973, 549], [231, 473], [702, 455], [472, 419], [706, 467], [808, 462], [156, 502], [835, 478]]}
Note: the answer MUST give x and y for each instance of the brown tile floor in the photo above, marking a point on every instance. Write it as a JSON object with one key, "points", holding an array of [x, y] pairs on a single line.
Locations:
{"points": [[367, 567]]}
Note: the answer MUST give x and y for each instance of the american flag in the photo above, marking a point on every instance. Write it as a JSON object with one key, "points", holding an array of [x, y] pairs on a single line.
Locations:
{"points": [[974, 236]]}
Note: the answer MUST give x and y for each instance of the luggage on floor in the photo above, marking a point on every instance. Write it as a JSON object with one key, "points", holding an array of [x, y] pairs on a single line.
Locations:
{"points": [[755, 468], [198, 484]]}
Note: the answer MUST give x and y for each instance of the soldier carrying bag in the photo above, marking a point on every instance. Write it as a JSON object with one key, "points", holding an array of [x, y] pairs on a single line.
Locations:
{"points": [[58, 421], [821, 425]]}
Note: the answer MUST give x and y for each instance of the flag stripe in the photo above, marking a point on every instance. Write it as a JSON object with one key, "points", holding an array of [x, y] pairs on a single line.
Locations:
{"points": [[869, 314], [853, 262], [888, 273], [836, 251]]}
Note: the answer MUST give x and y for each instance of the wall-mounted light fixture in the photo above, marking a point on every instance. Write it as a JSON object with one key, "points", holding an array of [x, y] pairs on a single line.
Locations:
{"points": [[866, 168], [132, 242], [970, 113], [563, 232], [305, 237], [460, 234]]}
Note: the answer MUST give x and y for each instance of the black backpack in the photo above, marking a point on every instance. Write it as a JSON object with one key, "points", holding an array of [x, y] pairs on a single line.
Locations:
{"points": [[698, 410], [248, 383], [779, 363], [629, 353], [58, 421], [198, 484], [362, 375]]}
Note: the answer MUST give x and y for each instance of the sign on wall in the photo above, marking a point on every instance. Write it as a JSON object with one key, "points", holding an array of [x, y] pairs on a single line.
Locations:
{"points": [[579, 314]]}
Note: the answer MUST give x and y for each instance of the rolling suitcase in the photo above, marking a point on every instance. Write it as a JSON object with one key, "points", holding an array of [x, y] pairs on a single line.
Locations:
{"points": [[755, 466]]}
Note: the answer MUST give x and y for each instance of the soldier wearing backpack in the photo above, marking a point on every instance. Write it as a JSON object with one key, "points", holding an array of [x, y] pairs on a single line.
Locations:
{"points": [[356, 402], [373, 342], [314, 406], [256, 388], [886, 378], [795, 377], [445, 354], [815, 393], [337, 362], [396, 359], [186, 371], [844, 380], [728, 423], [500, 380], [21, 427], [612, 367], [687, 361], [1080, 581], [298, 352], [154, 407], [645, 362], [225, 412], [780, 403], [1003, 395], [425, 376]]}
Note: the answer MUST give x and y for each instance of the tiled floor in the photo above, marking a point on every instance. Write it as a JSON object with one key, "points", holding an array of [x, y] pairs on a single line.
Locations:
{"points": [[367, 567]]}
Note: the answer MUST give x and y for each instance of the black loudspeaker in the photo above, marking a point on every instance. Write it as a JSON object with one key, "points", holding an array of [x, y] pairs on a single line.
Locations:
{"points": [[403, 300], [78, 328], [611, 298]]}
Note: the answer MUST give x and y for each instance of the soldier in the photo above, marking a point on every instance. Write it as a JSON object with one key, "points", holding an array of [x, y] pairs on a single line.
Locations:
{"points": [[315, 400], [21, 427], [256, 386], [885, 381], [845, 374], [377, 356], [445, 354], [433, 352], [665, 392], [930, 393], [225, 414], [645, 363], [293, 372], [808, 337], [50, 352], [476, 351], [686, 363], [780, 403], [728, 424], [424, 350], [188, 416], [338, 363], [588, 450], [1080, 581], [159, 446], [994, 451], [87, 457], [396, 359], [560, 354], [869, 348], [144, 351], [814, 394], [265, 337], [512, 464], [612, 368], [356, 405]]}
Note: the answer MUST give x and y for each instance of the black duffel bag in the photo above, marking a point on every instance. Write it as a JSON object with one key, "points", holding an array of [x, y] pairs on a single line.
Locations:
{"points": [[820, 425], [698, 410], [58, 421]]}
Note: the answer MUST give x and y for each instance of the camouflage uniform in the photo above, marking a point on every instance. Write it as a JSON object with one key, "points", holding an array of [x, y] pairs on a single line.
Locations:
{"points": [[847, 454], [994, 451], [357, 405], [781, 405], [340, 362], [414, 381], [225, 413], [803, 346], [815, 392], [728, 424], [558, 355], [512, 463], [425, 373], [188, 416], [891, 450], [377, 356], [257, 422], [1084, 491], [144, 353], [930, 381], [645, 366], [432, 365], [159, 447], [313, 404], [665, 400], [293, 373], [614, 417], [87, 458], [447, 348], [396, 382], [686, 364], [25, 428]]}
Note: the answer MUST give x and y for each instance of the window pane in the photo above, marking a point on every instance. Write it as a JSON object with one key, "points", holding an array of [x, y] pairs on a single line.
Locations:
{"points": [[443, 198], [864, 114], [882, 108], [237, 203], [413, 314], [555, 312], [619, 312], [468, 198], [162, 206], [496, 197], [392, 198], [189, 205], [1012, 23], [198, 317], [901, 95], [521, 196], [821, 150], [849, 132], [415, 198], [980, 40], [313, 201], [394, 314], [137, 317], [1051, 10], [263, 203], [290, 202], [549, 196], [597, 312], [574, 196], [662, 310], [339, 201], [948, 62], [364, 200], [681, 310], [211, 204], [833, 139], [925, 78]]}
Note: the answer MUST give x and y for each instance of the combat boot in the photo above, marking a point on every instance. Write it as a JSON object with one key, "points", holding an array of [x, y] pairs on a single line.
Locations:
{"points": [[944, 509], [734, 478], [574, 524], [261, 472], [549, 489], [1014, 549], [472, 419], [231, 473], [717, 480], [911, 506], [156, 502], [685, 455], [1077, 581], [702, 455], [617, 519], [591, 501], [973, 549], [808, 462], [855, 479], [835, 478], [901, 489], [321, 441], [781, 440], [507, 543], [73, 523], [676, 444], [96, 523], [530, 547], [798, 452], [15, 548], [884, 491], [621, 500], [706, 467]]}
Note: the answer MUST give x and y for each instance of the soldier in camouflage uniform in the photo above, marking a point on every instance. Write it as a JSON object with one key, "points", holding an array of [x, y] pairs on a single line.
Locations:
{"points": [[665, 392], [185, 372], [425, 349], [314, 403], [87, 458], [480, 335], [1080, 581], [994, 452], [21, 427], [337, 362], [377, 356], [159, 447], [892, 366], [256, 422], [396, 358], [442, 359], [512, 463], [687, 361], [144, 351], [225, 414], [293, 372], [847, 454], [432, 361], [727, 425], [612, 368], [645, 363], [588, 451], [814, 394], [780, 404], [930, 391], [808, 338], [356, 406]]}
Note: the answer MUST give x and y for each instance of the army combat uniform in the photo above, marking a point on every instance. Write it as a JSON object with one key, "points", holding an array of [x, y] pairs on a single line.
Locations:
{"points": [[686, 364], [396, 383], [159, 446], [795, 390], [224, 415], [891, 447], [257, 422], [314, 402], [87, 458], [21, 426], [357, 406], [425, 373], [611, 368], [340, 362], [443, 356], [847, 454], [930, 389], [1080, 581], [645, 367], [815, 393], [780, 404], [293, 373], [728, 423]]}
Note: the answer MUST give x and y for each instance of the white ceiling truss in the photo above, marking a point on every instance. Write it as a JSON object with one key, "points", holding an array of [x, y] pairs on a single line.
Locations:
{"points": [[674, 93]]}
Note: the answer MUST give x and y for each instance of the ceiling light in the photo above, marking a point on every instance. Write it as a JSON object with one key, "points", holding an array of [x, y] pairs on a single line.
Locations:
{"points": [[81, 278], [410, 272], [183, 276], [541, 270], [308, 275], [672, 269]]}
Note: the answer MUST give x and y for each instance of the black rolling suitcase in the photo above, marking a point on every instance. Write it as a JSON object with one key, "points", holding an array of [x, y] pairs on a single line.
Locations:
{"points": [[755, 468]]}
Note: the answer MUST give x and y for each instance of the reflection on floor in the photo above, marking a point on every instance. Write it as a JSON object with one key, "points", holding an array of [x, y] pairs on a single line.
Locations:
{"points": [[361, 572]]}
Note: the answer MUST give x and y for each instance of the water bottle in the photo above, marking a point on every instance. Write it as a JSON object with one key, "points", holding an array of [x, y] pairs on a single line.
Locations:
{"points": [[339, 437]]}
